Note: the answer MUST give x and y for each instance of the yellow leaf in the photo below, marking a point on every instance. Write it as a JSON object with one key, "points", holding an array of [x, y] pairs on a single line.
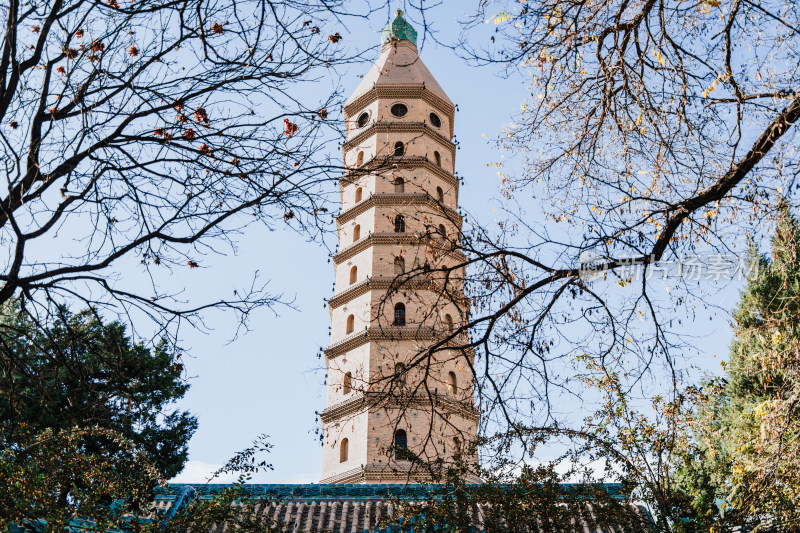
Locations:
{"points": [[639, 120], [501, 17]]}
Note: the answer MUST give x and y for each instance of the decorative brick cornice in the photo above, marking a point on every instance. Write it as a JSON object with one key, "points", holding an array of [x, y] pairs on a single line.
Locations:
{"points": [[400, 473], [372, 399], [350, 476], [389, 333], [354, 291], [399, 199], [395, 238], [402, 91], [417, 282], [372, 284], [380, 164], [399, 127]]}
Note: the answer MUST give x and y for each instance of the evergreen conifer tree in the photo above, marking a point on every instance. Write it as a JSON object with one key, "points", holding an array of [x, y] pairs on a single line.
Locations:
{"points": [[87, 418], [746, 446]]}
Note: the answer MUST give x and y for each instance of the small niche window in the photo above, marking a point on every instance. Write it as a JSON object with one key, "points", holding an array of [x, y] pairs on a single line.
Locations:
{"points": [[347, 383], [456, 445], [343, 450], [351, 324], [360, 159], [437, 158], [401, 445], [399, 266], [400, 373], [356, 232], [440, 195], [363, 118], [442, 231], [353, 274], [448, 323], [399, 148], [359, 193], [399, 314], [399, 184], [435, 120], [399, 224], [399, 110], [452, 384]]}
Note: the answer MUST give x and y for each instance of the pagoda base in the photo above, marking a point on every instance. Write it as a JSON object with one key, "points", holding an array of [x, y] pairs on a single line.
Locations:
{"points": [[402, 472]]}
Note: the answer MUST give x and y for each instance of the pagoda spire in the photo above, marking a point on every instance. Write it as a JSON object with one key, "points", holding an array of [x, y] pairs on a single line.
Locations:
{"points": [[399, 29]]}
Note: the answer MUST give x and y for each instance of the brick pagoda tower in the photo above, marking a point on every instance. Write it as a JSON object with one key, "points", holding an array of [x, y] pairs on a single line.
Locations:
{"points": [[389, 396]]}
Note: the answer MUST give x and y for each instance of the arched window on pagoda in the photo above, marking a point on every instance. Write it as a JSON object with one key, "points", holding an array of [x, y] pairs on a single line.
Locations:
{"points": [[359, 192], [399, 266], [343, 450], [448, 323], [399, 148], [351, 324], [353, 274], [437, 158], [452, 384], [356, 232], [399, 314], [360, 159], [347, 383], [399, 184], [400, 445], [440, 195], [399, 224]]}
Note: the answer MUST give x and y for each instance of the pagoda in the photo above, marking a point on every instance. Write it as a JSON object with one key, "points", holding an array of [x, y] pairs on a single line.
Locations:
{"points": [[399, 391]]}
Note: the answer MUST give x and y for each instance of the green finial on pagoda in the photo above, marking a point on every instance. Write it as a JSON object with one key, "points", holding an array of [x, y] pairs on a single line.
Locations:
{"points": [[399, 29]]}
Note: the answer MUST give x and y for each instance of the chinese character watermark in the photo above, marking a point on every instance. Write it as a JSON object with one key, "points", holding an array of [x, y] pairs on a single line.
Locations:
{"points": [[705, 267]]}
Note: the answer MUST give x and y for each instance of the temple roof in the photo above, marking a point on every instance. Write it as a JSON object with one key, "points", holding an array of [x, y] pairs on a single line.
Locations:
{"points": [[399, 63], [363, 508], [335, 491]]}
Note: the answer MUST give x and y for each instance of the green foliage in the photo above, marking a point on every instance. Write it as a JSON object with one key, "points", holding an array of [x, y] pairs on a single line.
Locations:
{"points": [[50, 479], [535, 499], [746, 445], [87, 422], [76, 371]]}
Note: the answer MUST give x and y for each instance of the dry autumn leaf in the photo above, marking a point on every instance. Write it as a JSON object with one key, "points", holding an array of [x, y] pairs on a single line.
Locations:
{"points": [[290, 128]]}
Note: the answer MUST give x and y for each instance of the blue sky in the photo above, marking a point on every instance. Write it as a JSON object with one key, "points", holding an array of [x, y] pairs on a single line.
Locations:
{"points": [[270, 380]]}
